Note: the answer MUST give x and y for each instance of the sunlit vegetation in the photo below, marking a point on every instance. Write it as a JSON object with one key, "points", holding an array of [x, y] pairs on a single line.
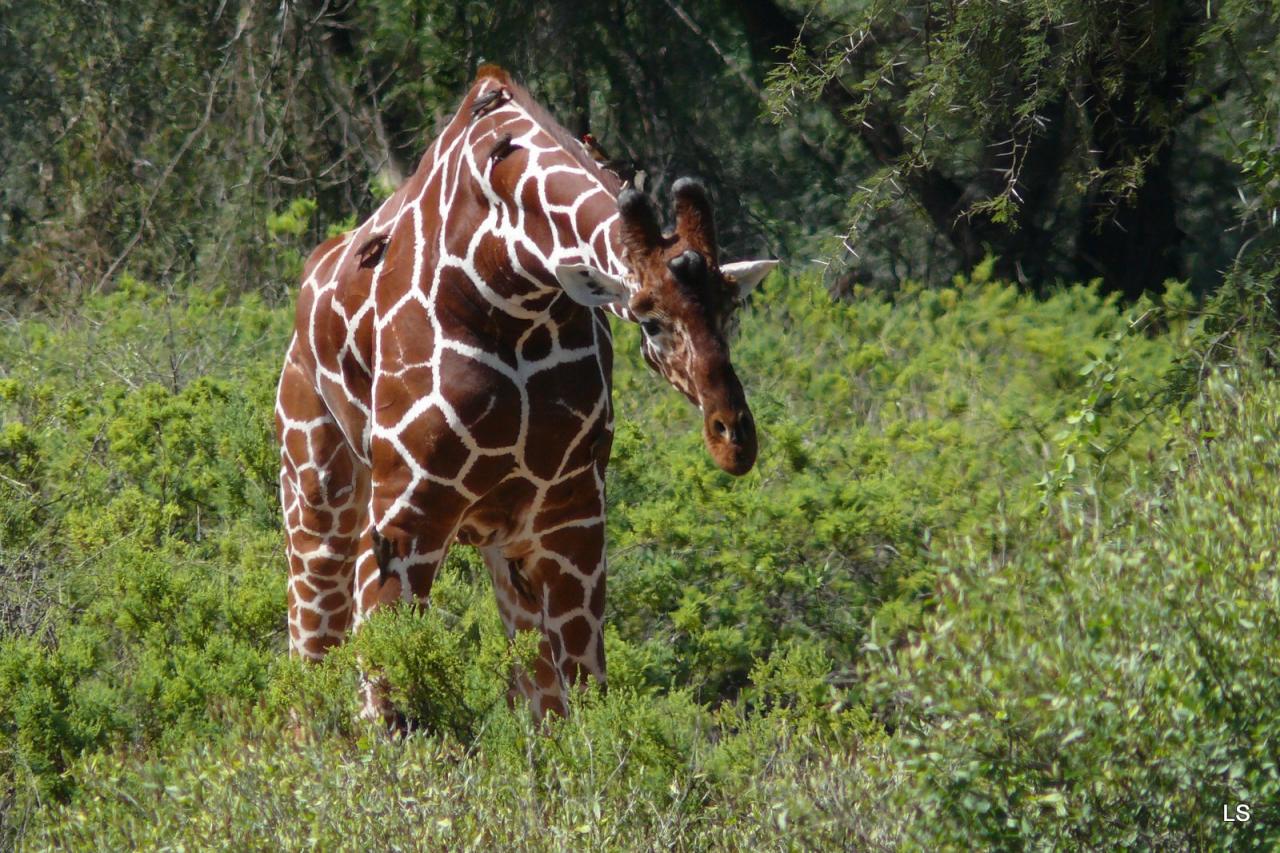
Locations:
{"points": [[999, 565], [1004, 576]]}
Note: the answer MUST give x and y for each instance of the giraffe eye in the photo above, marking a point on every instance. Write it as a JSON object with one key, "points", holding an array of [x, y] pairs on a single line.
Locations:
{"points": [[652, 328]]}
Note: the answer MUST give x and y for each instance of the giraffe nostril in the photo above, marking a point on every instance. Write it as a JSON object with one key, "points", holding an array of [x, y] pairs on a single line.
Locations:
{"points": [[720, 428]]}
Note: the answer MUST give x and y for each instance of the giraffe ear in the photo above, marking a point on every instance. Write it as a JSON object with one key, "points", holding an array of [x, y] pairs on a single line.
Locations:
{"points": [[746, 275], [590, 286]]}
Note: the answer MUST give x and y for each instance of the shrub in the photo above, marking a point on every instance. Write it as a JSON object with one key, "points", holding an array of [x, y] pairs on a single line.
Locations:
{"points": [[1112, 681], [143, 649]]}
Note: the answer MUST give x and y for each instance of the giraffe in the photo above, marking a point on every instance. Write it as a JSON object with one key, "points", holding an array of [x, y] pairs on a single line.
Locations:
{"points": [[449, 380]]}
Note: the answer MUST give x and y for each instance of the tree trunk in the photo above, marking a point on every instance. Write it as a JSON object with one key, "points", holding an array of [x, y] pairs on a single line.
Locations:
{"points": [[1133, 246], [1131, 240]]}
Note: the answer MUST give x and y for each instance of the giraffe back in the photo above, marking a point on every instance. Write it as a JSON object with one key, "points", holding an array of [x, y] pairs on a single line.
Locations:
{"points": [[436, 332]]}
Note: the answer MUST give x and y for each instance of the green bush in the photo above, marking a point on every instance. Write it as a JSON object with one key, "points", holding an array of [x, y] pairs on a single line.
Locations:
{"points": [[626, 772], [1002, 576], [1113, 681], [882, 426]]}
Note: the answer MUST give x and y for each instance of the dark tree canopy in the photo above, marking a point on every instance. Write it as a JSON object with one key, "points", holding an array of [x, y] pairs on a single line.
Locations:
{"points": [[1073, 140], [1127, 141]]}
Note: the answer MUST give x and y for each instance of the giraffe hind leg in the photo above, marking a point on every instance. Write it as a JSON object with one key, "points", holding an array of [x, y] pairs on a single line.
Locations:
{"points": [[555, 588]]}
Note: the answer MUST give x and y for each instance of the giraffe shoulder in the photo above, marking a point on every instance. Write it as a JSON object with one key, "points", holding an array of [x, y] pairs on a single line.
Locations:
{"points": [[324, 258]]}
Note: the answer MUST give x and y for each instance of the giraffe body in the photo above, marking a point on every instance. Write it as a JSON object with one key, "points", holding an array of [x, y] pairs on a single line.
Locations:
{"points": [[449, 381]]}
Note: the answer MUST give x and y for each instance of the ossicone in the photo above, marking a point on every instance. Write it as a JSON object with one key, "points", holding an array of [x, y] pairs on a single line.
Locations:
{"points": [[694, 221], [641, 233]]}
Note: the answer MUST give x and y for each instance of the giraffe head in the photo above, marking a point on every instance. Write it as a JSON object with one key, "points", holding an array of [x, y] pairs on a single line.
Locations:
{"points": [[685, 301]]}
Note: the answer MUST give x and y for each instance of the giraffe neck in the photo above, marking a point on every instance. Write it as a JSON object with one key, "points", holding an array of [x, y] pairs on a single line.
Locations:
{"points": [[500, 200]]}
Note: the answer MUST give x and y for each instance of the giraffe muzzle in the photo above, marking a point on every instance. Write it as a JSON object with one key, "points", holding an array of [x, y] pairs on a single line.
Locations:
{"points": [[730, 436]]}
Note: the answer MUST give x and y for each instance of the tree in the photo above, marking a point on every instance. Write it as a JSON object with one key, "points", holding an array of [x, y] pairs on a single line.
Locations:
{"points": [[1050, 133], [160, 139], [1071, 138]]}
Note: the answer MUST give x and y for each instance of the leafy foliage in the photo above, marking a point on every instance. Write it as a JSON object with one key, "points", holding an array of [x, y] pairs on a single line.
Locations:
{"points": [[1110, 684], [760, 630], [108, 172], [1128, 141], [1073, 139]]}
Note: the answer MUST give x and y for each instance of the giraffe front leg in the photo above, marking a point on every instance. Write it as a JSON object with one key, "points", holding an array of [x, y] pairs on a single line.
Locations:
{"points": [[401, 552], [388, 578], [554, 583]]}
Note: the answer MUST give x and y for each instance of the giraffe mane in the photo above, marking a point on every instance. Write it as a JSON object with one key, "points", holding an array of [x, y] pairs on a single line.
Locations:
{"points": [[545, 120]]}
